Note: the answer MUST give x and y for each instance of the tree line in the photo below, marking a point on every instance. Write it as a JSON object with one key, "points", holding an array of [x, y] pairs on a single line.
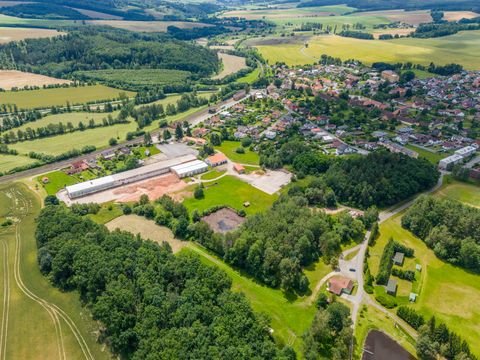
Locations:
{"points": [[448, 227], [150, 303]]}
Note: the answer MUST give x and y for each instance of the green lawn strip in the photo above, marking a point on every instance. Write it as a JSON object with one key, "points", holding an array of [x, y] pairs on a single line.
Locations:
{"points": [[229, 149], [233, 192], [290, 316], [250, 77], [445, 291], [57, 180], [43, 98], [28, 319], [431, 156], [212, 174]]}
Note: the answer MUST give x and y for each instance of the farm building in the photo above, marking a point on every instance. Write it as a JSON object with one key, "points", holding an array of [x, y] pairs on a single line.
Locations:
{"points": [[190, 168], [77, 167], [216, 160], [339, 284], [392, 287], [239, 168], [449, 162], [398, 258], [126, 177]]}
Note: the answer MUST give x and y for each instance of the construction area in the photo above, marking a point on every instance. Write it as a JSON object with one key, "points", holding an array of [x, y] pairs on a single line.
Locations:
{"points": [[224, 220]]}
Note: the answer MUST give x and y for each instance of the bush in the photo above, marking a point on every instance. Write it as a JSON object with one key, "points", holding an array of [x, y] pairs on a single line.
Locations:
{"points": [[386, 301], [240, 150], [411, 317], [386, 263], [198, 193], [405, 275]]}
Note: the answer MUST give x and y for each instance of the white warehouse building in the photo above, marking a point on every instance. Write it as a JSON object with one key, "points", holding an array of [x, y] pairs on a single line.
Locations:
{"points": [[449, 162], [466, 151], [190, 168], [126, 177]]}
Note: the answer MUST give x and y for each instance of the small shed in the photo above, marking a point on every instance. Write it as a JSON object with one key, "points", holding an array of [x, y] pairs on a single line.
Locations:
{"points": [[412, 297], [392, 287], [399, 258], [239, 168], [418, 267]]}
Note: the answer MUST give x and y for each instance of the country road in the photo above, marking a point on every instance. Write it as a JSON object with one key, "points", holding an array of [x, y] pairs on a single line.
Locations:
{"points": [[193, 119]]}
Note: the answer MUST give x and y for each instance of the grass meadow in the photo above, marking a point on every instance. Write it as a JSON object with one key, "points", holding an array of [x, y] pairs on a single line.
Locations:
{"points": [[31, 331], [250, 77], [9, 162], [433, 157], [463, 48], [233, 192], [290, 316], [45, 98], [446, 291], [467, 193], [229, 147]]}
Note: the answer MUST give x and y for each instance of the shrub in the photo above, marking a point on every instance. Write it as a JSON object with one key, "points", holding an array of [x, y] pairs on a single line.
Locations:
{"points": [[240, 150], [386, 301]]}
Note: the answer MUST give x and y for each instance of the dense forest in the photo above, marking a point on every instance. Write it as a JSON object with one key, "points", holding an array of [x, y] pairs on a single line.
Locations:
{"points": [[380, 179], [450, 228], [97, 48], [274, 246], [152, 304]]}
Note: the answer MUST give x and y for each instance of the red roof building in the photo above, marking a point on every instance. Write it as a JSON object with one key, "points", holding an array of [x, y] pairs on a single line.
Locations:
{"points": [[216, 160], [339, 284]]}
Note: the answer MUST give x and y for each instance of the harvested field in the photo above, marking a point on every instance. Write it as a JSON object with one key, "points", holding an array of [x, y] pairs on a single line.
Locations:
{"points": [[97, 15], [459, 15], [148, 26], [17, 79], [289, 13], [414, 18], [222, 47], [17, 34], [297, 40], [224, 220], [147, 230], [400, 32], [231, 65]]}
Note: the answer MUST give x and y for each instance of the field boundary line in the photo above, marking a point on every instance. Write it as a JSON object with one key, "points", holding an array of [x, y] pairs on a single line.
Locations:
{"points": [[6, 303]]}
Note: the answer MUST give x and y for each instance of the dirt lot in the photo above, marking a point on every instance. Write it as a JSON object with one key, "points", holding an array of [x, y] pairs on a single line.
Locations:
{"points": [[17, 34], [224, 220], [148, 26], [12, 78], [147, 230], [154, 188], [231, 64]]}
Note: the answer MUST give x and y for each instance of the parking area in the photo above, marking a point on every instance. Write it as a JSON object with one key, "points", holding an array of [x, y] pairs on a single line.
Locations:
{"points": [[175, 150]]}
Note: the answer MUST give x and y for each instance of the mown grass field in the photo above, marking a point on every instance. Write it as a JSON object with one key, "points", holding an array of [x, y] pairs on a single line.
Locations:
{"points": [[233, 192], [31, 331], [56, 145], [229, 147], [250, 77], [467, 193], [45, 98], [433, 157], [290, 316], [9, 162], [448, 292], [464, 47]]}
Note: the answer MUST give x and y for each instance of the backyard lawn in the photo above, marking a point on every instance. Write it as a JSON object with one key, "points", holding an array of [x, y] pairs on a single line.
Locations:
{"points": [[229, 149], [232, 192]]}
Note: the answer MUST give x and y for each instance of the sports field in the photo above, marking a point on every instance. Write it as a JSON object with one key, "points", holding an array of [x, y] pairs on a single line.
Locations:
{"points": [[290, 316], [38, 321], [446, 291], [463, 48], [17, 34], [45, 98], [229, 147], [18, 79], [9, 162], [233, 192]]}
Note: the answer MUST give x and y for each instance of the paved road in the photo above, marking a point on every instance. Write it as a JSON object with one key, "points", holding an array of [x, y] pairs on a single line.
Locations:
{"points": [[194, 119]]}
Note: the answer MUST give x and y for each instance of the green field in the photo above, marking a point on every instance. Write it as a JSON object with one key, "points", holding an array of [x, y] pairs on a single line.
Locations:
{"points": [[464, 47], [433, 157], [468, 193], [32, 332], [57, 180], [290, 316], [9, 162], [250, 77], [137, 77], [59, 144], [45, 98], [212, 174], [446, 291], [232, 192], [229, 147]]}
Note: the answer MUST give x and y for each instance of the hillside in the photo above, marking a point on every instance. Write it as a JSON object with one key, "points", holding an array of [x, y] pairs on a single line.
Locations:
{"points": [[472, 5]]}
